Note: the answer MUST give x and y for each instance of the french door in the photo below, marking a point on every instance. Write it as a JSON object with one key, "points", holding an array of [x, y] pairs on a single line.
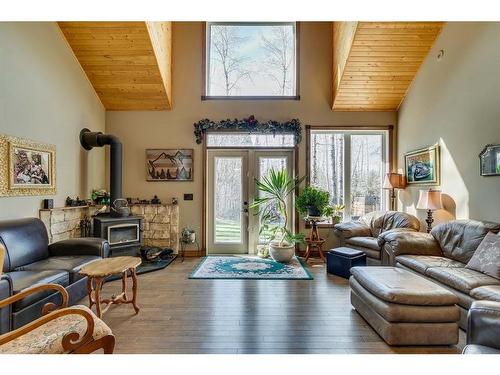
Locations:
{"points": [[232, 227]]}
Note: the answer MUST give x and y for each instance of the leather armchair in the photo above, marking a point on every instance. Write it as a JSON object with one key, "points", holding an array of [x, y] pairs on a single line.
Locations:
{"points": [[483, 332], [366, 233]]}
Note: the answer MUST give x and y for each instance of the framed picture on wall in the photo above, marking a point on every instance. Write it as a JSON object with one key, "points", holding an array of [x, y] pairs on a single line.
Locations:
{"points": [[423, 166], [169, 164], [490, 160], [27, 167]]}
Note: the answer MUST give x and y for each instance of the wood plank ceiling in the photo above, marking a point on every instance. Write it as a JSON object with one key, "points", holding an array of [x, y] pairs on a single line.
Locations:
{"points": [[128, 63], [375, 62]]}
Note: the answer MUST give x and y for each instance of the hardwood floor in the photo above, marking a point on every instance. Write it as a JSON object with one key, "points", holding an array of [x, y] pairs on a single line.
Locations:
{"points": [[180, 315]]}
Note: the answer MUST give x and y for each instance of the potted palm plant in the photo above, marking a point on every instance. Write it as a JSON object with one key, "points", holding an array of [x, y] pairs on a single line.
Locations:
{"points": [[272, 206]]}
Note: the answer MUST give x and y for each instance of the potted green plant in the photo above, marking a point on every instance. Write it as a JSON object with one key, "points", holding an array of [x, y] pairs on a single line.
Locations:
{"points": [[272, 206], [313, 201], [335, 212]]}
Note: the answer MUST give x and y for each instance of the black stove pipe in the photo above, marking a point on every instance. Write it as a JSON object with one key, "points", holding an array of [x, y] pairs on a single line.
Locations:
{"points": [[89, 140]]}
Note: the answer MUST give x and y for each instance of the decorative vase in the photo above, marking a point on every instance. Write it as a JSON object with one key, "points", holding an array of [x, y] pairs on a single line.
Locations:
{"points": [[313, 211], [262, 251], [281, 254]]}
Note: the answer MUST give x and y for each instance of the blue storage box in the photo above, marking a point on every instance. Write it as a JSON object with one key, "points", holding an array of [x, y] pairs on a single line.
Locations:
{"points": [[340, 260]]}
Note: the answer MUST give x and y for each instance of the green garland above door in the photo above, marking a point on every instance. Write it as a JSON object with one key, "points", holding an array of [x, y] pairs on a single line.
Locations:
{"points": [[249, 125]]}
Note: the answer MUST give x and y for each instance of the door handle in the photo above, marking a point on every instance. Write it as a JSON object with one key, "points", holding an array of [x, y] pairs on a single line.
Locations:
{"points": [[245, 210]]}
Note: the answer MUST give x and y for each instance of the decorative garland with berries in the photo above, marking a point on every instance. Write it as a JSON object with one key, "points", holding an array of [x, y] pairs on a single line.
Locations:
{"points": [[249, 125]]}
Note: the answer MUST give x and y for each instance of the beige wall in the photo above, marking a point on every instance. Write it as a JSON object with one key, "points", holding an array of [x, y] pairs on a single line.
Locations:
{"points": [[45, 96], [455, 102], [171, 129]]}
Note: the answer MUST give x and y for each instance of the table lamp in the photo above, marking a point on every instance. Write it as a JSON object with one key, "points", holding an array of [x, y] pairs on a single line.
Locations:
{"points": [[392, 182], [429, 200]]}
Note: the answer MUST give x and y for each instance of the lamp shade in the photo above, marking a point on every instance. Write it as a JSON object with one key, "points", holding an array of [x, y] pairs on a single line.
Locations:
{"points": [[393, 181], [430, 200]]}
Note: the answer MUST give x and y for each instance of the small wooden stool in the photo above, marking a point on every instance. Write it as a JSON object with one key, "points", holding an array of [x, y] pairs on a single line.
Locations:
{"points": [[97, 271]]}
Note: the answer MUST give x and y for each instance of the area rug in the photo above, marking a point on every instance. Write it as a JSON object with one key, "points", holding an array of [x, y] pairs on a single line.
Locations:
{"points": [[247, 267], [148, 266]]}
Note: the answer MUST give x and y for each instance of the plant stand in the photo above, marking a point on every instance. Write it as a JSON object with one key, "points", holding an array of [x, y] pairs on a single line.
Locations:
{"points": [[184, 245], [314, 241]]}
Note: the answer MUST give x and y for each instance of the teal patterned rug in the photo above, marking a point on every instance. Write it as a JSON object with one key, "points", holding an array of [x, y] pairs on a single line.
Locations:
{"points": [[248, 267]]}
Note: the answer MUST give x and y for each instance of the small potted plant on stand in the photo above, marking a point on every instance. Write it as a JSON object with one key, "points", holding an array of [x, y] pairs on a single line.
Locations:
{"points": [[313, 202], [272, 206]]}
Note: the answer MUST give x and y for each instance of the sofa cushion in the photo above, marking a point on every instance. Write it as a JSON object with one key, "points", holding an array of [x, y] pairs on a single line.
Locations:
{"points": [[392, 220], [488, 292], [460, 238], [420, 263], [486, 258], [368, 242], [25, 241], [25, 279], [462, 279], [70, 263], [47, 339], [400, 286]]}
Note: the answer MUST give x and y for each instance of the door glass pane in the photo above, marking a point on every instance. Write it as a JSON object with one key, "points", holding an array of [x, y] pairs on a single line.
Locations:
{"points": [[367, 167], [227, 199], [265, 165], [327, 164]]}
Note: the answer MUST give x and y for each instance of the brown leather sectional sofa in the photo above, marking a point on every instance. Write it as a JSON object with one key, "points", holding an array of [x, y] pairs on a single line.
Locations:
{"points": [[364, 234], [442, 255]]}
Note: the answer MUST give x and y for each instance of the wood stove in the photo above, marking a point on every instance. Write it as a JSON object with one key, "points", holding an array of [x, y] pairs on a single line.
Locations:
{"points": [[124, 234]]}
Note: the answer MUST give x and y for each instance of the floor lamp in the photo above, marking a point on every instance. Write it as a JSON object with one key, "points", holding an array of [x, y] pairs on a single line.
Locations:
{"points": [[429, 200], [392, 182]]}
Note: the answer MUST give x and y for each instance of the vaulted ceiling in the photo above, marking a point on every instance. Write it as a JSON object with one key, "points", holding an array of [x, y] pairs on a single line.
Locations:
{"points": [[375, 62], [128, 63]]}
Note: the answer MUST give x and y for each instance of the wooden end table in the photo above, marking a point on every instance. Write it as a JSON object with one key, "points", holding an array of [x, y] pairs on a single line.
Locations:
{"points": [[97, 271], [314, 241]]}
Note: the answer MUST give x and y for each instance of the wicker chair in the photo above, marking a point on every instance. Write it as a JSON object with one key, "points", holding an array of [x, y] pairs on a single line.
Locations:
{"points": [[59, 330]]}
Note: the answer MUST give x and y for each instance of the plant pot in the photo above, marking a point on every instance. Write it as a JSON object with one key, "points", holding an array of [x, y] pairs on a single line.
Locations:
{"points": [[282, 254], [313, 211], [336, 219]]}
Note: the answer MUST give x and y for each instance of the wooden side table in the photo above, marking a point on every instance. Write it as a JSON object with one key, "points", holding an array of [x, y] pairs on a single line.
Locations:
{"points": [[97, 271], [314, 241]]}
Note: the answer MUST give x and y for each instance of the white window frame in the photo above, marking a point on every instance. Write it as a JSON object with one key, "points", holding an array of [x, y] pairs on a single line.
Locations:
{"points": [[384, 200], [206, 65]]}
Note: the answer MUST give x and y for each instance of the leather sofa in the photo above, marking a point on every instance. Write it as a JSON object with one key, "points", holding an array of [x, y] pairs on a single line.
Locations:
{"points": [[30, 260], [442, 255], [364, 234], [483, 329]]}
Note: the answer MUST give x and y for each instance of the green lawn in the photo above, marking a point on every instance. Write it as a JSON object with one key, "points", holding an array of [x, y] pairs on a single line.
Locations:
{"points": [[229, 231]]}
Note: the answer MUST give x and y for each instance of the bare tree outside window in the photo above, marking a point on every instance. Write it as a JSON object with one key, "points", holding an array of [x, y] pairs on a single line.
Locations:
{"points": [[280, 57], [251, 59]]}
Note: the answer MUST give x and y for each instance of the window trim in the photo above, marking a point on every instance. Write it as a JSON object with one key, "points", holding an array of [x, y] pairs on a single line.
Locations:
{"points": [[206, 52], [389, 151]]}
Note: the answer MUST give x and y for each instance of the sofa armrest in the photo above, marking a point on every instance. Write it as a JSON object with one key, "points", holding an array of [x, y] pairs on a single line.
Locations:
{"points": [[483, 326], [352, 229], [409, 243], [80, 246], [5, 313]]}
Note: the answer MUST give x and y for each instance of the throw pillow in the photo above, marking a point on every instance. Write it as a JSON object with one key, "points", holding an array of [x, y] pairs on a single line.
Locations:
{"points": [[486, 258]]}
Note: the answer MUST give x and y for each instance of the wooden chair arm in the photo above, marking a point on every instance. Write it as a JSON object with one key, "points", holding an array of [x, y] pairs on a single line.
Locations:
{"points": [[36, 288], [70, 340]]}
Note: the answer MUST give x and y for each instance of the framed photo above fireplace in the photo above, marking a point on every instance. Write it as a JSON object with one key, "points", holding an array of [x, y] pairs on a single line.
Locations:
{"points": [[423, 166], [169, 164], [26, 167]]}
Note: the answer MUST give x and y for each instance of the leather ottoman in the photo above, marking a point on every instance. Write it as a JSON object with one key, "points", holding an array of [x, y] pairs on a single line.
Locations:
{"points": [[404, 308], [339, 261]]}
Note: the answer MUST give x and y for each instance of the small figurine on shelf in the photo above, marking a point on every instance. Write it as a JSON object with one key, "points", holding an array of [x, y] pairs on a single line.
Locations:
{"points": [[155, 200], [175, 201]]}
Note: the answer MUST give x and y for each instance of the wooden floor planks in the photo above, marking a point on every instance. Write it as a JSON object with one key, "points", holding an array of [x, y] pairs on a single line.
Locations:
{"points": [[180, 315]]}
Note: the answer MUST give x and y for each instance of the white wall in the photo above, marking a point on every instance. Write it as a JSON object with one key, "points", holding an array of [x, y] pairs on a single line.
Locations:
{"points": [[45, 96], [456, 102]]}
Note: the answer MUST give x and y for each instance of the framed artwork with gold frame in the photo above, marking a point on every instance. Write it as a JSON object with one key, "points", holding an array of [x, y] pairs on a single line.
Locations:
{"points": [[26, 167]]}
